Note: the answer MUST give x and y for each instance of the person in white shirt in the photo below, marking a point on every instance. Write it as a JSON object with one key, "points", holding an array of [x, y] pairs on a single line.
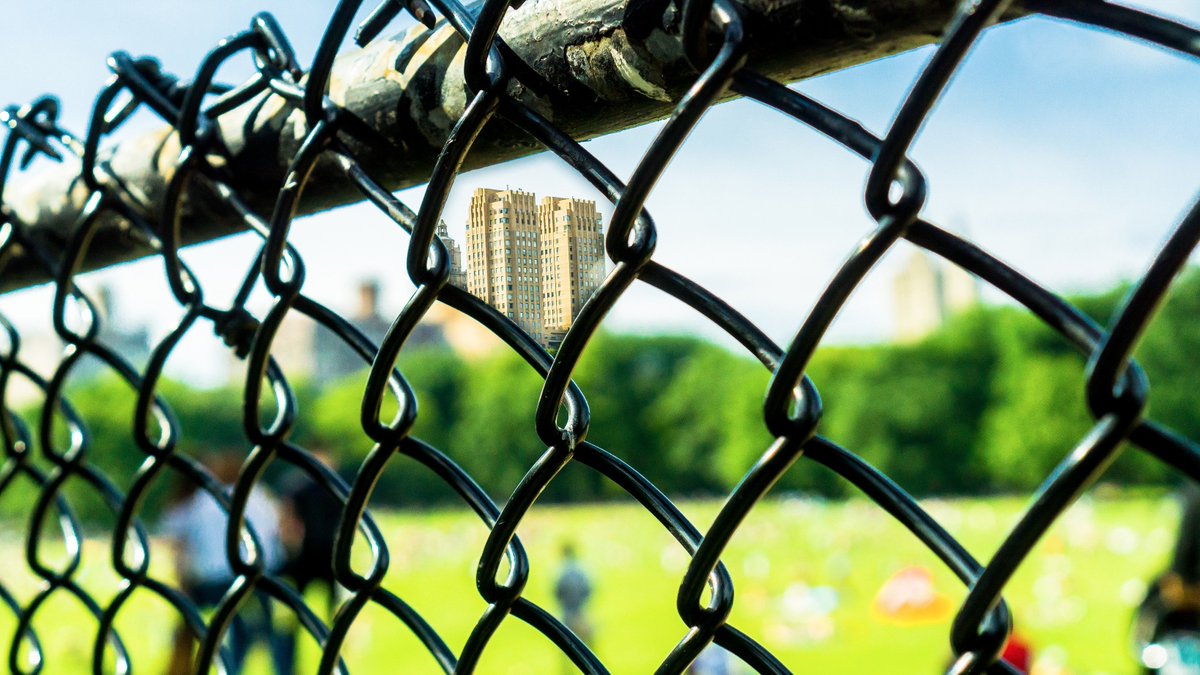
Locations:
{"points": [[197, 525]]}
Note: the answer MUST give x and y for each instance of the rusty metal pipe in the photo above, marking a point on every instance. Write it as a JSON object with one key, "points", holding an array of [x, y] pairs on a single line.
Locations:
{"points": [[594, 67]]}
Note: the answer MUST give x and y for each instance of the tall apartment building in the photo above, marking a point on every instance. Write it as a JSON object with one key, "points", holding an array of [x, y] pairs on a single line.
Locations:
{"points": [[503, 266], [572, 242], [535, 263]]}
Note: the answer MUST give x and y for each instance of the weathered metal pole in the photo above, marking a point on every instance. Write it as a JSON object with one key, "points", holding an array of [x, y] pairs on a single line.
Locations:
{"points": [[600, 66]]}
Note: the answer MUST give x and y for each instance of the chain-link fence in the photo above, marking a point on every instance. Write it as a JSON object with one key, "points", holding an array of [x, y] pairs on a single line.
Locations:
{"points": [[716, 36]]}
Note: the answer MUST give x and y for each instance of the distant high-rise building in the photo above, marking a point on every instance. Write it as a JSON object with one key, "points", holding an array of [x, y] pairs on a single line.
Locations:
{"points": [[502, 255], [572, 243], [927, 292], [458, 274], [536, 264]]}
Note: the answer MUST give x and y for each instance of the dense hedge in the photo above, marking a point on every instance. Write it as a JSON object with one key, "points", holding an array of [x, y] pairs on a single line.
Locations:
{"points": [[989, 403]]}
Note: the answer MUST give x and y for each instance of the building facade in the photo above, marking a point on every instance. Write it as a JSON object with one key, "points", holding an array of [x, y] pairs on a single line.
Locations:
{"points": [[307, 350], [572, 244], [927, 292], [503, 267], [536, 263], [458, 273]]}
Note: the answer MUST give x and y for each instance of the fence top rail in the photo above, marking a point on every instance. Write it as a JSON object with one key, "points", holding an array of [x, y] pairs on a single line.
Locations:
{"points": [[591, 66]]}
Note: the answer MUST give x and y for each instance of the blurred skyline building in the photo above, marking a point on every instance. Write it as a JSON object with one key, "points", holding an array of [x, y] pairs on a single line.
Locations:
{"points": [[536, 263], [44, 351], [458, 273], [927, 292], [305, 349], [130, 341]]}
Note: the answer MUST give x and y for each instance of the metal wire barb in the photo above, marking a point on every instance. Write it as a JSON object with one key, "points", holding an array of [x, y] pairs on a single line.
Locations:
{"points": [[715, 36]]}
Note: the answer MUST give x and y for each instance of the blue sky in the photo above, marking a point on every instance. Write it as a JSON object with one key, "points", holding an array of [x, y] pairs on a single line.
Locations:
{"points": [[1067, 151]]}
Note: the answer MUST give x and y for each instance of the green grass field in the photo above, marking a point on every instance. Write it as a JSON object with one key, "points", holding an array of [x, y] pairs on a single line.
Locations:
{"points": [[1073, 599]]}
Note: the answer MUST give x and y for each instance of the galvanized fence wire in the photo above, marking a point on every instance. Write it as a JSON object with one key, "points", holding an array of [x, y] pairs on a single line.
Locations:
{"points": [[715, 35]]}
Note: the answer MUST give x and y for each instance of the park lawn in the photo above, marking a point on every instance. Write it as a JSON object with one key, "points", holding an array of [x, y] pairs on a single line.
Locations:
{"points": [[1073, 599]]}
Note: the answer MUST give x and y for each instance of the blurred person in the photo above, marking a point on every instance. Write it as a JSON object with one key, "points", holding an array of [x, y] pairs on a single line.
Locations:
{"points": [[572, 590], [1167, 625], [310, 517], [1185, 562], [714, 660], [196, 524]]}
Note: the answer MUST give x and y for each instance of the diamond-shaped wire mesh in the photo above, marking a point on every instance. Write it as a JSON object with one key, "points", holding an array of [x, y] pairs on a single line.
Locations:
{"points": [[715, 36]]}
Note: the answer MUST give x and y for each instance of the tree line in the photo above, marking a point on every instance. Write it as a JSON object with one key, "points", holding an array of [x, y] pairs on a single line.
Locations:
{"points": [[989, 403]]}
